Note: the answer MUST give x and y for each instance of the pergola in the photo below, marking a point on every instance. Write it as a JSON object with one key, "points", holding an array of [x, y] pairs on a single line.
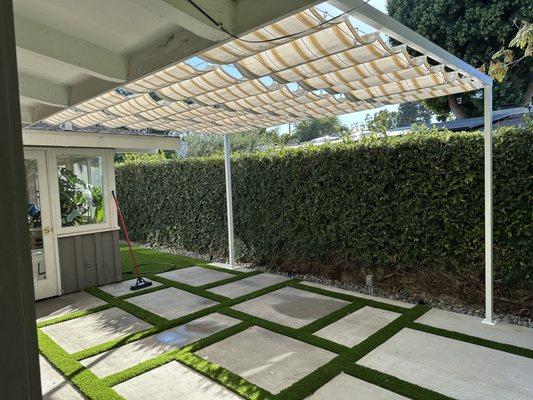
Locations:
{"points": [[293, 65], [337, 70]]}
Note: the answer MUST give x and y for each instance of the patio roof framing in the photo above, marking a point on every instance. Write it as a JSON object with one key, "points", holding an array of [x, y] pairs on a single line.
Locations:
{"points": [[364, 12], [180, 97], [375, 18]]}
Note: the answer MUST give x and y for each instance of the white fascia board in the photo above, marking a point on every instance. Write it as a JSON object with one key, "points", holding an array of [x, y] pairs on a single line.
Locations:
{"points": [[124, 142], [388, 25]]}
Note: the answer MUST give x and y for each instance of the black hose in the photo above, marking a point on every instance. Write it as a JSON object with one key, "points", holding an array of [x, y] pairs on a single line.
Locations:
{"points": [[172, 267]]}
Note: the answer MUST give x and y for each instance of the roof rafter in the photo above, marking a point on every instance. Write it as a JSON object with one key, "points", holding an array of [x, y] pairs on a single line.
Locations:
{"points": [[184, 14], [43, 91], [49, 43]]}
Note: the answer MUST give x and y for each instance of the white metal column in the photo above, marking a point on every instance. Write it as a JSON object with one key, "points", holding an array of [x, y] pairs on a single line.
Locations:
{"points": [[489, 302], [229, 202]]}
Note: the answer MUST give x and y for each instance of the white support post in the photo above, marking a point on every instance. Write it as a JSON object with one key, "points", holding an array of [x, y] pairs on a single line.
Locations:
{"points": [[489, 301], [229, 202]]}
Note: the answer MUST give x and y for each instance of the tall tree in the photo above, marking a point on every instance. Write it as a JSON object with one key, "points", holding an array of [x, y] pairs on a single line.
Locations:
{"points": [[473, 30], [313, 128], [413, 113], [381, 121], [203, 144]]}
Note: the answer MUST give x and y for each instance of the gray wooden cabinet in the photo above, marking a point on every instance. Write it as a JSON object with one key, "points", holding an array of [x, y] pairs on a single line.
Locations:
{"points": [[87, 260]]}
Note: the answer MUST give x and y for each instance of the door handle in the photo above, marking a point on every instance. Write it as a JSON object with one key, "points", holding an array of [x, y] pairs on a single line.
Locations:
{"points": [[47, 230]]}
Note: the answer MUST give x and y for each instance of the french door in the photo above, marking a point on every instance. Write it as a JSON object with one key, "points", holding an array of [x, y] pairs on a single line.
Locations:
{"points": [[41, 237]]}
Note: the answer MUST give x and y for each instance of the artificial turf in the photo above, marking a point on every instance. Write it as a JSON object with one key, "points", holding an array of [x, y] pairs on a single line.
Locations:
{"points": [[88, 383], [95, 388], [154, 261]]}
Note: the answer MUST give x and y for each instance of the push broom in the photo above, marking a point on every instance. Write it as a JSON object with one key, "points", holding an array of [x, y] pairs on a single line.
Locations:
{"points": [[140, 283]]}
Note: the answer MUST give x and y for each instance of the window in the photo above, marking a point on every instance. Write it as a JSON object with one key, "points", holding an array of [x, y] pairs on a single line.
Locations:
{"points": [[81, 188]]}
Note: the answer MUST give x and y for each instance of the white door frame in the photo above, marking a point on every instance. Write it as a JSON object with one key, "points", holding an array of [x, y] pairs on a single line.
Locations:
{"points": [[49, 286]]}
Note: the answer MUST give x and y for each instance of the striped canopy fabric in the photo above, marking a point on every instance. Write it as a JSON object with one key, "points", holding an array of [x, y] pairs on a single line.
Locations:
{"points": [[314, 68]]}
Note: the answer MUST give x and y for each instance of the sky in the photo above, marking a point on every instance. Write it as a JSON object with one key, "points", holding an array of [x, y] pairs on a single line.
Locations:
{"points": [[358, 117], [349, 119]]}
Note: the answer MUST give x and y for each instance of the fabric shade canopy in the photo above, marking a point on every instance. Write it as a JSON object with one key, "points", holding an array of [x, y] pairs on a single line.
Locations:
{"points": [[318, 68]]}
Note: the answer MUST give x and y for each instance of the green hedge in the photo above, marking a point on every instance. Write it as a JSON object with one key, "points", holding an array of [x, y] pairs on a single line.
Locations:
{"points": [[411, 201]]}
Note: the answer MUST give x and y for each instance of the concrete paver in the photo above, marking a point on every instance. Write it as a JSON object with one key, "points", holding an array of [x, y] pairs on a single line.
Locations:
{"points": [[55, 386], [195, 276], [346, 387], [267, 359], [66, 304], [457, 369], [469, 325], [93, 329], [356, 327], [171, 303], [122, 288], [172, 381], [291, 307], [361, 295], [248, 285], [131, 354]]}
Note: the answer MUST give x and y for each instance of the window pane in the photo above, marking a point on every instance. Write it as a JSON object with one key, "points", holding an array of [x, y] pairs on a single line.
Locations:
{"points": [[80, 189]]}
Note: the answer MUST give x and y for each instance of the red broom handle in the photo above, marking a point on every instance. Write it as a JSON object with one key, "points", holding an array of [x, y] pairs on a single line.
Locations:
{"points": [[126, 236]]}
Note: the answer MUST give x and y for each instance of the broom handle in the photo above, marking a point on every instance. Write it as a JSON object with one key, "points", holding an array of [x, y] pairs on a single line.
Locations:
{"points": [[126, 236]]}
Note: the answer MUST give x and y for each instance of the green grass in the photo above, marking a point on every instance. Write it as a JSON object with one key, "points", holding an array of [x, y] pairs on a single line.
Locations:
{"points": [[139, 312], [186, 356], [312, 382], [88, 383], [152, 257], [286, 331], [188, 288], [392, 383], [76, 314], [508, 348], [343, 361], [331, 318]]}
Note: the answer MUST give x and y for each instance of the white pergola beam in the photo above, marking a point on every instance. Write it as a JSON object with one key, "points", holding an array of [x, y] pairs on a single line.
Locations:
{"points": [[124, 142], [388, 25], [43, 91], [51, 44]]}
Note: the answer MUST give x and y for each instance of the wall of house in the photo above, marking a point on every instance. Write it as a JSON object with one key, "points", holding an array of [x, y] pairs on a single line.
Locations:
{"points": [[87, 260]]}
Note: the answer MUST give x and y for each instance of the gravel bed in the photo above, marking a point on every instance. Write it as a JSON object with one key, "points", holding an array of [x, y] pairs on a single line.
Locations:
{"points": [[378, 291]]}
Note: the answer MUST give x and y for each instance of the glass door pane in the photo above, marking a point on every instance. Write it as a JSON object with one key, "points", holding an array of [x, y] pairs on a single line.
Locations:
{"points": [[35, 225]]}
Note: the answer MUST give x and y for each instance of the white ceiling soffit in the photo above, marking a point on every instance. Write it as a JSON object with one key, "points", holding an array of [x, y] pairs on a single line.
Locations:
{"points": [[336, 70]]}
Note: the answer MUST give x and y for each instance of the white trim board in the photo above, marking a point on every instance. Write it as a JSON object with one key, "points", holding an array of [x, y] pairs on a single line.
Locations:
{"points": [[125, 142]]}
